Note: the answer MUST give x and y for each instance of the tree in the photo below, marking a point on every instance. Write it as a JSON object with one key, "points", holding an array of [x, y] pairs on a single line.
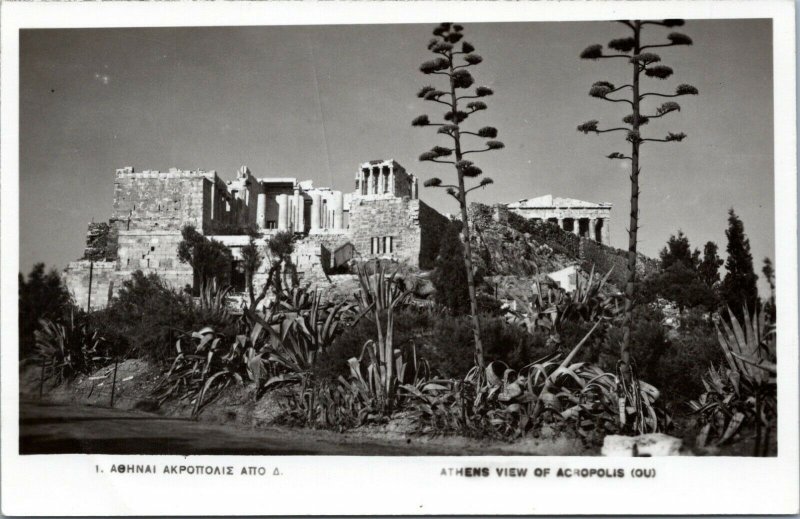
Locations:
{"points": [[210, 259], [709, 267], [679, 278], [678, 250], [769, 274], [43, 295], [279, 254], [632, 50], [458, 79], [739, 289], [449, 275]]}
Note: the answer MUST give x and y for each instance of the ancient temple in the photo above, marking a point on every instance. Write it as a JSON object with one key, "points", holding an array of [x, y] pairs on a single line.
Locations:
{"points": [[382, 218], [585, 219]]}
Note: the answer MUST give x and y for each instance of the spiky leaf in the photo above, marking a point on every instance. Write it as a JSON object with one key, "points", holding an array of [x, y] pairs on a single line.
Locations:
{"points": [[433, 182], [467, 47], [483, 91], [447, 129], [685, 89], [495, 145], [485, 182]]}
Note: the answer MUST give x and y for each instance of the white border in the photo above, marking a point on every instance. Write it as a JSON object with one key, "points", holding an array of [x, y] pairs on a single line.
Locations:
{"points": [[67, 485]]}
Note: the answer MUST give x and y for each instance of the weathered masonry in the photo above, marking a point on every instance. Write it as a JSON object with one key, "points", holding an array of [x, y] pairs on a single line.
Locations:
{"points": [[585, 219], [382, 218]]}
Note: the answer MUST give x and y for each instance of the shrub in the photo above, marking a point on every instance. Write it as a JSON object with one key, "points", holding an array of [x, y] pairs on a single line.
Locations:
{"points": [[674, 361], [147, 317], [41, 296], [210, 259], [450, 275], [66, 350], [449, 347], [409, 324]]}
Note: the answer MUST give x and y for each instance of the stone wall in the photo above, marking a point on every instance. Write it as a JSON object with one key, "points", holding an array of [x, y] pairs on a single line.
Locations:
{"points": [[156, 252], [82, 276], [395, 218]]}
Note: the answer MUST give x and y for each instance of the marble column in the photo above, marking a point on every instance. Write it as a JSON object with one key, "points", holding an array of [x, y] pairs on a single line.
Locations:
{"points": [[316, 202], [593, 229], [338, 210], [213, 197], [561, 224], [370, 181], [390, 188], [376, 172], [261, 211], [299, 215], [576, 226], [283, 212], [605, 231]]}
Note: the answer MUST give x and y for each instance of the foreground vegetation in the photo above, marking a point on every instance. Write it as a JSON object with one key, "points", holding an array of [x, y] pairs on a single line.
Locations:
{"points": [[552, 357]]}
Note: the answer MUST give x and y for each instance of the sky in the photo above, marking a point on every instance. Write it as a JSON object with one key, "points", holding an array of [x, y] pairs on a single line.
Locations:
{"points": [[314, 102]]}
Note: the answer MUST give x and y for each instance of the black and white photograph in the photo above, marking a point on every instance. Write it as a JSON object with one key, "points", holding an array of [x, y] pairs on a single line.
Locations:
{"points": [[472, 245]]}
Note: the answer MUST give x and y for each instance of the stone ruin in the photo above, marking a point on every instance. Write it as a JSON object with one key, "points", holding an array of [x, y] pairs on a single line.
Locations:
{"points": [[382, 218]]}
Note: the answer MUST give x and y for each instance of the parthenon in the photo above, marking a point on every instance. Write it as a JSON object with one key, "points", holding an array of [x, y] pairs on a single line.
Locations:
{"points": [[584, 219]]}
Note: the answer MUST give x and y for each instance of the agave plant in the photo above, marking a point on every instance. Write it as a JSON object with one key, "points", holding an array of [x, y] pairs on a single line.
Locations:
{"points": [[203, 367], [380, 365], [66, 350], [744, 392], [547, 310], [213, 302]]}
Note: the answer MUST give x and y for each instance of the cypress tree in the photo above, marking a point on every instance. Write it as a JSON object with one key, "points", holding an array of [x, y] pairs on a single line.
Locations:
{"points": [[739, 286]]}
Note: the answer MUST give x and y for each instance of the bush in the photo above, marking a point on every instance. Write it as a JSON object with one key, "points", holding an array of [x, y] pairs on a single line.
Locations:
{"points": [[672, 360], [41, 296], [450, 348], [409, 324], [147, 316]]}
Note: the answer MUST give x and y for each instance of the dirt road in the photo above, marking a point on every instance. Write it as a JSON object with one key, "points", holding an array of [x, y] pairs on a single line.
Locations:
{"points": [[67, 429]]}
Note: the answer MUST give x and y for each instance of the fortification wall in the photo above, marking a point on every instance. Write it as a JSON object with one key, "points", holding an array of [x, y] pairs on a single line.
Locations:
{"points": [[82, 276]]}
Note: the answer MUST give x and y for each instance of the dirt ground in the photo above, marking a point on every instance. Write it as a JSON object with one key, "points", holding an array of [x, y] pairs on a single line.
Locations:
{"points": [[237, 410]]}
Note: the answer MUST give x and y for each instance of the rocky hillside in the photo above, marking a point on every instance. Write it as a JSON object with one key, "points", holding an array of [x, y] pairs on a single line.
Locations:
{"points": [[505, 244]]}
